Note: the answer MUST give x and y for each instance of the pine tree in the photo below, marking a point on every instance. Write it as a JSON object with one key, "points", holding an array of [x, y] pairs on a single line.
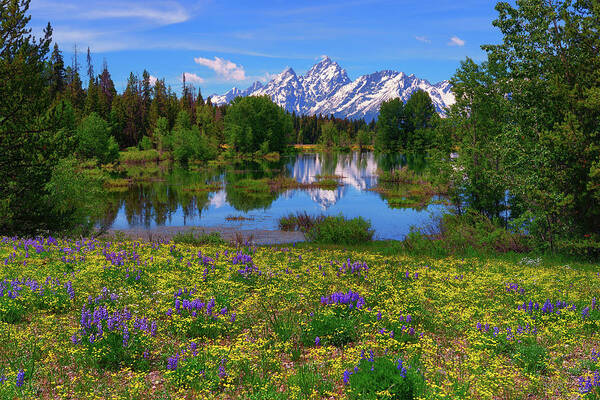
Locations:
{"points": [[91, 99], [31, 139], [57, 75], [75, 92], [146, 103], [106, 92], [90, 66]]}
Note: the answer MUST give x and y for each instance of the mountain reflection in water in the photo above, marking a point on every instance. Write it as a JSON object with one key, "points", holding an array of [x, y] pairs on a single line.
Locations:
{"points": [[168, 201]]}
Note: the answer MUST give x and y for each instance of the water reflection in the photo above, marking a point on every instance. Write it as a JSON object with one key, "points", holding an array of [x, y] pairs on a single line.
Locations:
{"points": [[167, 199]]}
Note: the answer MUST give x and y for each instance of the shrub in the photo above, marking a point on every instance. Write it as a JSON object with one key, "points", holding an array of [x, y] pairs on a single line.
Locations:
{"points": [[146, 144], [339, 230], [134, 155], [299, 222], [461, 234], [375, 375], [76, 197], [587, 248], [531, 357]]}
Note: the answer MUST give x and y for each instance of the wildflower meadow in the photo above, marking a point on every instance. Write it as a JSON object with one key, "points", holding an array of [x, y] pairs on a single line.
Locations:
{"points": [[93, 319]]}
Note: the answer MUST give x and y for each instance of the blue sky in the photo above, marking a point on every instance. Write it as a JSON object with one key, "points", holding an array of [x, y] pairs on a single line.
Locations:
{"points": [[221, 43]]}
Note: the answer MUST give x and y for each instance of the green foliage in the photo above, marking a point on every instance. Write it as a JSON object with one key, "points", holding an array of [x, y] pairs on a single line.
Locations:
{"points": [[406, 126], [213, 238], [391, 125], [336, 326], [421, 117], [188, 143], [364, 138], [587, 248], [526, 122], [109, 351], [252, 121], [300, 221], [465, 234], [340, 230], [197, 372], [161, 134], [30, 146], [374, 378], [310, 382], [95, 141], [531, 357], [75, 196], [146, 144], [133, 155], [12, 310], [329, 134]]}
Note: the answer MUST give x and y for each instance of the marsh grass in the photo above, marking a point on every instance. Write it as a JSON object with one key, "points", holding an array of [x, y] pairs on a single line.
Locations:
{"points": [[190, 238]]}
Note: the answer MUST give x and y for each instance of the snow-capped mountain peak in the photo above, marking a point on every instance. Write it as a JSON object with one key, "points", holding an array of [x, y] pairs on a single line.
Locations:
{"points": [[326, 89]]}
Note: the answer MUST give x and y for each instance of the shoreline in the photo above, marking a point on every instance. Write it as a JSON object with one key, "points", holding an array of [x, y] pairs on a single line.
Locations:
{"points": [[230, 234]]}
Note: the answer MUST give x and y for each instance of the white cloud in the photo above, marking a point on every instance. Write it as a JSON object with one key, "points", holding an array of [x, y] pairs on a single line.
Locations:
{"points": [[423, 39], [224, 68], [193, 78], [159, 12], [267, 77], [456, 41]]}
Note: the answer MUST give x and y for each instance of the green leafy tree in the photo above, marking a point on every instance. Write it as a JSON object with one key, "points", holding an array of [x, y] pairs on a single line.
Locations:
{"points": [[477, 118], [364, 138], [252, 121], [391, 125], [188, 143], [95, 141], [76, 196], [330, 136], [421, 117], [527, 121]]}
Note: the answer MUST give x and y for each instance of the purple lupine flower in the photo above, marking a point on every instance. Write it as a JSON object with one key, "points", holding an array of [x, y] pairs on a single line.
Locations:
{"points": [[585, 312], [222, 373], [317, 341], [125, 336], [347, 377], [20, 378], [379, 316], [173, 362], [401, 368]]}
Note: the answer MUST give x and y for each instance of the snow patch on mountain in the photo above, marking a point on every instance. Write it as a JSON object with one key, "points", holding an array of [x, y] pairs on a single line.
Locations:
{"points": [[326, 89]]}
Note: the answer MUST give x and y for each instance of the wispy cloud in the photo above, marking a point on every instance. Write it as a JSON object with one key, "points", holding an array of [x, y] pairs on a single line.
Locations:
{"points": [[423, 39], [164, 15], [192, 78], [456, 41], [156, 12], [224, 68]]}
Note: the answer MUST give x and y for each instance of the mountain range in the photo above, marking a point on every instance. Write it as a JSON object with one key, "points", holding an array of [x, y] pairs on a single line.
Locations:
{"points": [[326, 89]]}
